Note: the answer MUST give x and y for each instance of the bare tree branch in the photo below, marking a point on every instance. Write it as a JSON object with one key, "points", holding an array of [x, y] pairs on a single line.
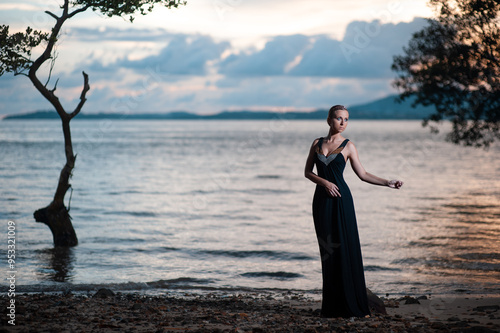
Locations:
{"points": [[79, 10], [49, 95], [51, 14], [55, 87], [83, 98], [52, 64]]}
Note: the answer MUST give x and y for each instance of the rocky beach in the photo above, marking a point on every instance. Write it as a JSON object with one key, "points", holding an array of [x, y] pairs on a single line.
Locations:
{"points": [[259, 311]]}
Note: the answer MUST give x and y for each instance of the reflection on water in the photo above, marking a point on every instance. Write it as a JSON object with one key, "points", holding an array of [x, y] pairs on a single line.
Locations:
{"points": [[56, 264], [462, 243]]}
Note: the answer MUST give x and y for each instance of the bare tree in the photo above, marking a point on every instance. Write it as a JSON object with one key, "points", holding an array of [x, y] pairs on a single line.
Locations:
{"points": [[15, 56]]}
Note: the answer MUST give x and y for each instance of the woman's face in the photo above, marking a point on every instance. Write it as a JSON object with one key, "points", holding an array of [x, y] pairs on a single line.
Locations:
{"points": [[339, 121]]}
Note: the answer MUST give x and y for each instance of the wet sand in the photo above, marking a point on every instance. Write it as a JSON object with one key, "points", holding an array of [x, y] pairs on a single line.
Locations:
{"points": [[106, 311]]}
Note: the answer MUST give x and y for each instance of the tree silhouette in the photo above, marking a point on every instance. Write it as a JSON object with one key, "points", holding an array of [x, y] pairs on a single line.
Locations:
{"points": [[15, 56], [454, 65]]}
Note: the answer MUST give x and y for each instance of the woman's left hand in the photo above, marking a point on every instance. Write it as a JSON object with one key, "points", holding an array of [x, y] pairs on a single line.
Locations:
{"points": [[395, 184]]}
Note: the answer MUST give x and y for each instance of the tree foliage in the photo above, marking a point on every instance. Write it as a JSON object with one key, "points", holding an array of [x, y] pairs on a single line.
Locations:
{"points": [[454, 64], [121, 8], [15, 49]]}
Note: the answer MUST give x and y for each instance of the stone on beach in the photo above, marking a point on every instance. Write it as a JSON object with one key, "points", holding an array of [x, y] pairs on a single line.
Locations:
{"points": [[375, 303], [103, 293]]}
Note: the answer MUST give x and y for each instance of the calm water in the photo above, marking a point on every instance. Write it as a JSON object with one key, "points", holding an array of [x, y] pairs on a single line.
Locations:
{"points": [[205, 204]]}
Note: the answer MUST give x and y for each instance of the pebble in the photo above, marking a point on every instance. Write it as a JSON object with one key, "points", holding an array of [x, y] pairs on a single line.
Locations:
{"points": [[104, 293], [411, 300]]}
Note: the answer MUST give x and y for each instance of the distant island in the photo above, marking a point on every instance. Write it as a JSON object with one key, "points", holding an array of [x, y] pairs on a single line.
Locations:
{"points": [[385, 108]]}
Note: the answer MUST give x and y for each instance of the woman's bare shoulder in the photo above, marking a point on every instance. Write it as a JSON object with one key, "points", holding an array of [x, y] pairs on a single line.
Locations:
{"points": [[314, 146], [350, 147], [315, 142]]}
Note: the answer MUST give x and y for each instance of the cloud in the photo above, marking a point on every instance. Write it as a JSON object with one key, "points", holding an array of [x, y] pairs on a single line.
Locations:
{"points": [[182, 55], [272, 60], [296, 92], [18, 6], [366, 51], [17, 95], [84, 34]]}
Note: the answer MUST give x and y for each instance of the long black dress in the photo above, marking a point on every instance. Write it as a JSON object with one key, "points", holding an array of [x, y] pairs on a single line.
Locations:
{"points": [[344, 289]]}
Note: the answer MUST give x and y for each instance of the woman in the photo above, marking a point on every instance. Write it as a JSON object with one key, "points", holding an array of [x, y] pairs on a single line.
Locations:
{"points": [[344, 290]]}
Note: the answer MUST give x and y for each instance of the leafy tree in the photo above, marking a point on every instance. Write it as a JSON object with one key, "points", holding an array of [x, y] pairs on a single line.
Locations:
{"points": [[15, 56], [454, 65]]}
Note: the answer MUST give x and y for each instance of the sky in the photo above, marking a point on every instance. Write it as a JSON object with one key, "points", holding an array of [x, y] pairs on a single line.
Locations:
{"points": [[219, 55]]}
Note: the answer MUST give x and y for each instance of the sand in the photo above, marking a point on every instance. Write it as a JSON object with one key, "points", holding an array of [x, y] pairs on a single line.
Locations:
{"points": [[290, 311]]}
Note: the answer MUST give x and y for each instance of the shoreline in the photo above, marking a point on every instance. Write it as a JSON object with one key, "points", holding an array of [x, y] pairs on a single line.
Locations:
{"points": [[174, 290], [259, 311], [183, 285]]}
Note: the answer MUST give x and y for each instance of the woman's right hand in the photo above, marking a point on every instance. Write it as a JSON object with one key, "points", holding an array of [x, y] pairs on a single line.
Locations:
{"points": [[332, 190]]}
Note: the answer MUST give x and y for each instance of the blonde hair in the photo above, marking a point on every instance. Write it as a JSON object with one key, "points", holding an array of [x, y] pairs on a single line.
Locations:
{"points": [[334, 108]]}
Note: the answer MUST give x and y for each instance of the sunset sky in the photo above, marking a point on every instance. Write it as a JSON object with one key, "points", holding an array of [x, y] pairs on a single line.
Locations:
{"points": [[214, 55]]}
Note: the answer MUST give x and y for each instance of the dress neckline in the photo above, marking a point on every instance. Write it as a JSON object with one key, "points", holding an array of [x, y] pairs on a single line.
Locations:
{"points": [[337, 150]]}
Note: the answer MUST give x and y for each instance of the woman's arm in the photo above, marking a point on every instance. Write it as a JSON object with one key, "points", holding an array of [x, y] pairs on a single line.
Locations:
{"points": [[331, 188], [352, 154]]}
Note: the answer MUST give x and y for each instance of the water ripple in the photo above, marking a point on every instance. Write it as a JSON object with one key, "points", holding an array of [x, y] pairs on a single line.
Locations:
{"points": [[277, 255], [274, 275]]}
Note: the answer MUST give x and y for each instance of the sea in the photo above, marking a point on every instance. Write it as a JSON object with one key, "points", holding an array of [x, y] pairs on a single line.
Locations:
{"points": [[165, 206]]}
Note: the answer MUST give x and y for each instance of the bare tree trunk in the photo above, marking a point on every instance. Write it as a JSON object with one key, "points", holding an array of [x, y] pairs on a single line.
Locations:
{"points": [[56, 215]]}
